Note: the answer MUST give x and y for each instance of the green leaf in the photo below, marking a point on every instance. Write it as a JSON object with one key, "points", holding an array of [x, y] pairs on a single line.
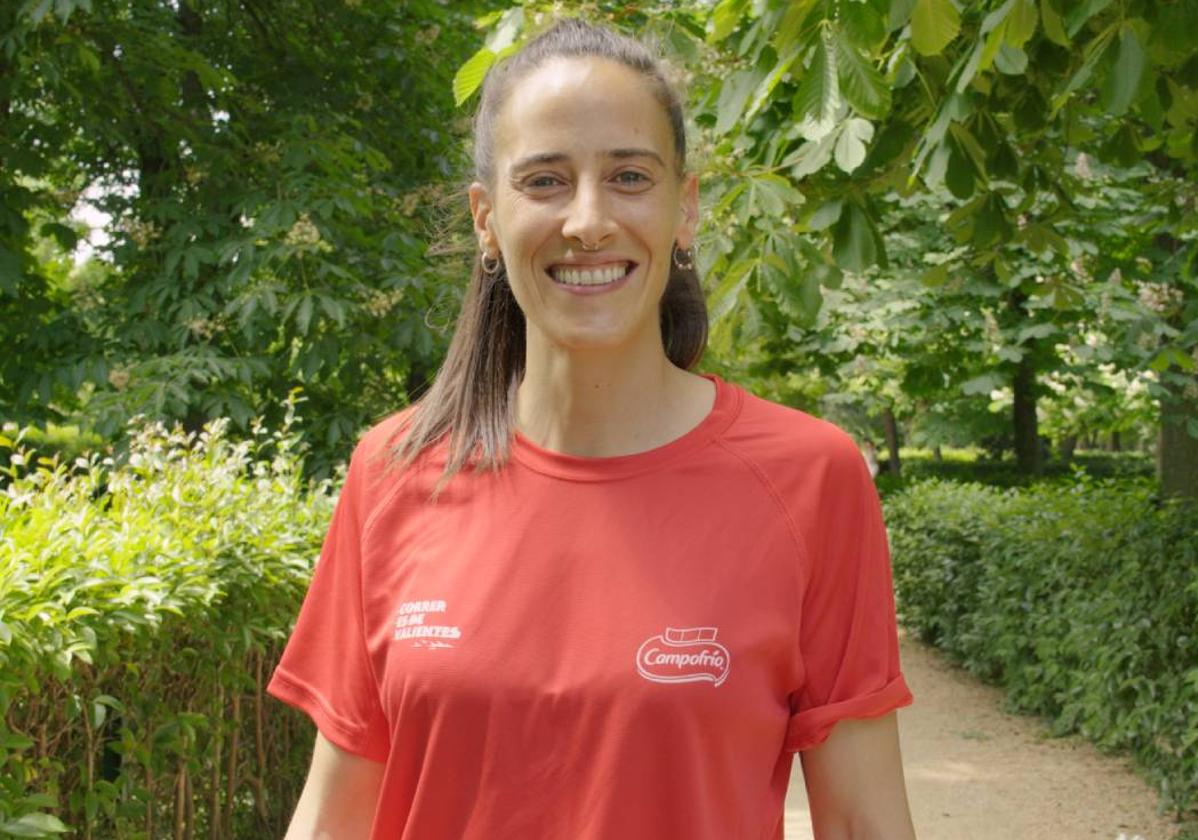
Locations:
{"points": [[1021, 23], [1054, 27], [64, 8], [1040, 237], [303, 315], [34, 825], [1171, 356], [1035, 331], [767, 85], [724, 19], [471, 74], [979, 59], [854, 240], [934, 24], [861, 83], [864, 25], [935, 276], [1123, 147], [1092, 55], [1124, 74], [16, 743], [983, 384], [727, 294], [825, 216], [850, 146], [1081, 13], [38, 11], [900, 14], [960, 175], [818, 96], [734, 93], [811, 297], [990, 223], [1010, 61], [776, 194]]}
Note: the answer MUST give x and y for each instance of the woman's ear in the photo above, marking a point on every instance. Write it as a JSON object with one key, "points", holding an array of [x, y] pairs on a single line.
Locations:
{"points": [[689, 211], [480, 211]]}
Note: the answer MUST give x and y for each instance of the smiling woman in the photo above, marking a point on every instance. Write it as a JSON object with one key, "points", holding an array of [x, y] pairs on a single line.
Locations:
{"points": [[653, 589]]}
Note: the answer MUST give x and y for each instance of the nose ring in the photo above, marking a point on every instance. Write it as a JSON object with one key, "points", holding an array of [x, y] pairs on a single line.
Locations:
{"points": [[586, 247]]}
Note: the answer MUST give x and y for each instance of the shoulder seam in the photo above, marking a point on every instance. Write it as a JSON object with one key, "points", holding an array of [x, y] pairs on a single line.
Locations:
{"points": [[795, 533]]}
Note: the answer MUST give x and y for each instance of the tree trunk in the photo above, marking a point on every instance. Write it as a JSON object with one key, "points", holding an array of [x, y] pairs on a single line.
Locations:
{"points": [[1177, 451], [892, 442], [1067, 448], [937, 455], [1027, 437]]}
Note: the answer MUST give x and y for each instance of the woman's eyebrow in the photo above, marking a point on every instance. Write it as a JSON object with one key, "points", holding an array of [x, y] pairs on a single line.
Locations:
{"points": [[539, 159], [634, 152], [542, 158]]}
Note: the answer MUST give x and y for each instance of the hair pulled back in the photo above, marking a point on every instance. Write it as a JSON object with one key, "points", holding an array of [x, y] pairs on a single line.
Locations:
{"points": [[473, 394]]}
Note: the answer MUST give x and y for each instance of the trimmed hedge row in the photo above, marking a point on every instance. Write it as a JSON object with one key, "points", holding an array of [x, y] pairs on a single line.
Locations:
{"points": [[142, 607], [1081, 599]]}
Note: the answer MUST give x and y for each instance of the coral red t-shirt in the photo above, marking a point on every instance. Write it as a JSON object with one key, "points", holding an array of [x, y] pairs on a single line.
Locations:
{"points": [[598, 648]]}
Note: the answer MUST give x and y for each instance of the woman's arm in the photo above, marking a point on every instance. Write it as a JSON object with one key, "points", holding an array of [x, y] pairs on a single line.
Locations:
{"points": [[855, 784], [339, 798]]}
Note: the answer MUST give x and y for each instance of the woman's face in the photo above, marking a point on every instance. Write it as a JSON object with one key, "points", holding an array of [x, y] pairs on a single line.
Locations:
{"points": [[587, 203]]}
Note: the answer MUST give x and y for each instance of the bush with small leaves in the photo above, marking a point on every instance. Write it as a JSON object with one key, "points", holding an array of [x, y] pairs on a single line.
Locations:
{"points": [[143, 603]]}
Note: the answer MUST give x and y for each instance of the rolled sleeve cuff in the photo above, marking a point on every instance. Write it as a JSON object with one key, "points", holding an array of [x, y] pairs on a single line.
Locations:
{"points": [[347, 736], [811, 727]]}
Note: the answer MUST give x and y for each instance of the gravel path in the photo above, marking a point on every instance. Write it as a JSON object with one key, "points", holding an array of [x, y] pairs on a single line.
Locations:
{"points": [[975, 772]]}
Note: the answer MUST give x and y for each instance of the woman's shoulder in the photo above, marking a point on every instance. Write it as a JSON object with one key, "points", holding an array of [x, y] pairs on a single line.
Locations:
{"points": [[780, 431], [375, 465], [808, 460]]}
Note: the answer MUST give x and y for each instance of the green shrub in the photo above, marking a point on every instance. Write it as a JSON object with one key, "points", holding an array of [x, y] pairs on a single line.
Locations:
{"points": [[1080, 598], [142, 606]]}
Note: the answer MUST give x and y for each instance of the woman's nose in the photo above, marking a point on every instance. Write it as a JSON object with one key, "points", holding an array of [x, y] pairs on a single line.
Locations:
{"points": [[587, 216]]}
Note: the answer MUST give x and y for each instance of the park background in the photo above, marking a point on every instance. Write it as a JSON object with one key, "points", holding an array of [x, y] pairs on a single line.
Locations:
{"points": [[234, 234]]}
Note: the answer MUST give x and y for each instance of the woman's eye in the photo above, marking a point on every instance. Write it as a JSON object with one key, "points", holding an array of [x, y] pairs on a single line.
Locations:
{"points": [[631, 178]]}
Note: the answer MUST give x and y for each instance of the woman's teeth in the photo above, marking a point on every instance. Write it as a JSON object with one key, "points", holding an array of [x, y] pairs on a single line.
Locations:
{"points": [[589, 277]]}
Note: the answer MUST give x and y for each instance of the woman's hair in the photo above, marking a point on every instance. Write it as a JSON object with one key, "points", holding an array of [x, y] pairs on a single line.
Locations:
{"points": [[472, 396]]}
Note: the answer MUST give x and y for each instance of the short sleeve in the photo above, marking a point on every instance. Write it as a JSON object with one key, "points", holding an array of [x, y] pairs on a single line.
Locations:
{"points": [[325, 670], [848, 638]]}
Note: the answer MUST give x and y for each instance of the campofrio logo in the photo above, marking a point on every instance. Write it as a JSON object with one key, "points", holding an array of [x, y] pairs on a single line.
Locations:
{"points": [[684, 655]]}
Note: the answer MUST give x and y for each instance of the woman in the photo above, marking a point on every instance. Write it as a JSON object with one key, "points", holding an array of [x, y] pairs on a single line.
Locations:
{"points": [[580, 592]]}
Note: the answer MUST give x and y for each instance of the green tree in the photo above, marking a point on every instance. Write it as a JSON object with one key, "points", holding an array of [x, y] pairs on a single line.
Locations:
{"points": [[275, 173]]}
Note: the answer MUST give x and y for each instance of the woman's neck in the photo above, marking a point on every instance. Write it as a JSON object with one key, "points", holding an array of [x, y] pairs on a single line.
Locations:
{"points": [[607, 403]]}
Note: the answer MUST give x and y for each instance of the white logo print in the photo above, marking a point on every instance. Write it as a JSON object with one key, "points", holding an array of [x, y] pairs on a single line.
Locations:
{"points": [[409, 624], [684, 655]]}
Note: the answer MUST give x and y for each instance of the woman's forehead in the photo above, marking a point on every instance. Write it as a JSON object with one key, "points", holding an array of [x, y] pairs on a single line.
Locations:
{"points": [[582, 107]]}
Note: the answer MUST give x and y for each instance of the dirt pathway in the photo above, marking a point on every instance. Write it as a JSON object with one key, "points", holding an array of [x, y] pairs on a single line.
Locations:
{"points": [[976, 773]]}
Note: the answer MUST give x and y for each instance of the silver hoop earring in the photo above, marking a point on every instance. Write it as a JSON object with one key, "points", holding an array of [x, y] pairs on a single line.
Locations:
{"points": [[683, 260], [491, 268]]}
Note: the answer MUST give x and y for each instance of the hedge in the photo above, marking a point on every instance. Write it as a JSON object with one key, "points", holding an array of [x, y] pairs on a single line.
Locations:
{"points": [[1080, 598], [142, 606]]}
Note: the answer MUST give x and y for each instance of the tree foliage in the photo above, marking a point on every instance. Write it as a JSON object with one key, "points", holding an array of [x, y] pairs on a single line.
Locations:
{"points": [[274, 172]]}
